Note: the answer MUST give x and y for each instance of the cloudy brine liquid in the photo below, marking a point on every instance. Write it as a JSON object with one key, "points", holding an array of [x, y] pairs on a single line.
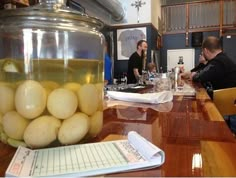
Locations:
{"points": [[61, 71], [67, 95]]}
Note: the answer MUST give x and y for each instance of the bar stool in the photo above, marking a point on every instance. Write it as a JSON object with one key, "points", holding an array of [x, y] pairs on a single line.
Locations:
{"points": [[225, 101]]}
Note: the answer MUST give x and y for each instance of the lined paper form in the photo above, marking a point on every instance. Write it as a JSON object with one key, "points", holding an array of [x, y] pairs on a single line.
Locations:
{"points": [[82, 160]]}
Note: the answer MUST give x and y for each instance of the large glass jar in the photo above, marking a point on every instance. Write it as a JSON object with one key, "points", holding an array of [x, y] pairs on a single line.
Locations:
{"points": [[163, 82], [51, 75]]}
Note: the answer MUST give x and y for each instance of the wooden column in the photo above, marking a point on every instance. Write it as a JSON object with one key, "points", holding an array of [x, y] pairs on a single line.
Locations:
{"points": [[187, 26], [221, 16]]}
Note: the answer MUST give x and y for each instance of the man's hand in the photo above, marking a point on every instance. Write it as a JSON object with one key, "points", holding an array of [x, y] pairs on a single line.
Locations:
{"points": [[192, 75], [185, 75]]}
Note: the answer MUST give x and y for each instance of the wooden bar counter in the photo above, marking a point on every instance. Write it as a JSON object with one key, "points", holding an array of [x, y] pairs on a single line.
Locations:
{"points": [[190, 130]]}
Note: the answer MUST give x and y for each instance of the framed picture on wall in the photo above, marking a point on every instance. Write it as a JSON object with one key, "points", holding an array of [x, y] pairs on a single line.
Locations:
{"points": [[127, 41], [159, 42]]}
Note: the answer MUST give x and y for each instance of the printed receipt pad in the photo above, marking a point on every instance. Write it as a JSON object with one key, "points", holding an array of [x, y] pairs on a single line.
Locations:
{"points": [[87, 159]]}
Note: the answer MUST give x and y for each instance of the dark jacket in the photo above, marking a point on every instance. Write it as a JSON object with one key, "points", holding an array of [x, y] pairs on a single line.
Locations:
{"points": [[220, 72], [199, 67]]}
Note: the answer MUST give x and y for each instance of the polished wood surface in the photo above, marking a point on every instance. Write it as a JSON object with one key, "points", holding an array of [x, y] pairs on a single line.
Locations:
{"points": [[190, 130]]}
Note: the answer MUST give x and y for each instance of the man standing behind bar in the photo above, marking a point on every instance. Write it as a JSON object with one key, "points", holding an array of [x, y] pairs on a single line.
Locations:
{"points": [[135, 64], [221, 70]]}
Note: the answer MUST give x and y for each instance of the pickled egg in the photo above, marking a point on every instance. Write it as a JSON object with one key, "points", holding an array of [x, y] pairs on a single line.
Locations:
{"points": [[100, 87], [72, 86], [11, 85], [14, 125], [1, 118], [88, 99], [62, 103], [73, 129], [30, 99], [42, 131], [49, 84], [6, 99], [96, 123]]}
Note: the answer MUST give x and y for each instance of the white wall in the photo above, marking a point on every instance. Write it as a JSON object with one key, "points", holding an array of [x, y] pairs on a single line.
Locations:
{"points": [[188, 56], [131, 15], [149, 13], [156, 12]]}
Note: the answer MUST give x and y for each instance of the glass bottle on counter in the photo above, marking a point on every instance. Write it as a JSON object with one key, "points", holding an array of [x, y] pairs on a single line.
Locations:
{"points": [[181, 64], [51, 75]]}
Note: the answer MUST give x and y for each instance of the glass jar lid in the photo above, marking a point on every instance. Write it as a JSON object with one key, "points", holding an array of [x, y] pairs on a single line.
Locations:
{"points": [[48, 14]]}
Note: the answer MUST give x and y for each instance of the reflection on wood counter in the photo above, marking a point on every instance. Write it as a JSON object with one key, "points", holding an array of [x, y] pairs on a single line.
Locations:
{"points": [[190, 130]]}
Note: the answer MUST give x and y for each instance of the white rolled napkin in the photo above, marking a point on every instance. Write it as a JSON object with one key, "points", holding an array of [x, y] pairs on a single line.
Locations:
{"points": [[153, 98]]}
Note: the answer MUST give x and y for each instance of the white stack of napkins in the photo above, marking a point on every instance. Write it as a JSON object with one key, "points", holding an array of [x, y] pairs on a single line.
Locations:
{"points": [[152, 98]]}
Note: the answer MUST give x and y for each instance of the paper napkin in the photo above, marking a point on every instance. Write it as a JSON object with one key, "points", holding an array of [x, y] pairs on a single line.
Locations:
{"points": [[152, 98]]}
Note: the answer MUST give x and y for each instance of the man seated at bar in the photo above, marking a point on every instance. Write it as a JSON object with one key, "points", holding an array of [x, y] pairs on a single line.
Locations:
{"points": [[202, 64], [220, 71]]}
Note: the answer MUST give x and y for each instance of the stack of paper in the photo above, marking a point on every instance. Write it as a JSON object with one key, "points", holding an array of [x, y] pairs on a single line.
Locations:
{"points": [[87, 159]]}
